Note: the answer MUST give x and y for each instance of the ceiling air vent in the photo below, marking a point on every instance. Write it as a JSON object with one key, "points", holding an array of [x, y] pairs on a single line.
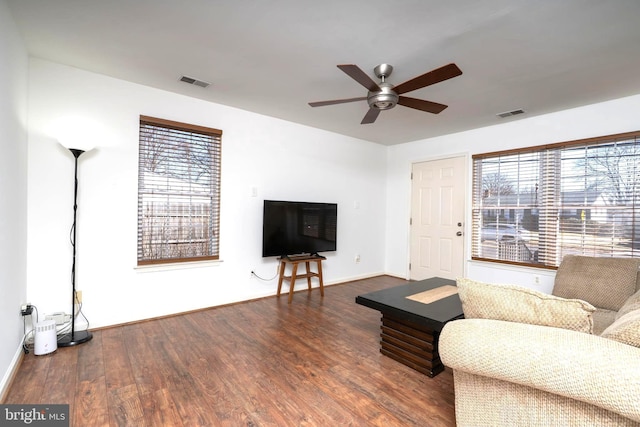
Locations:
{"points": [[194, 82], [510, 113]]}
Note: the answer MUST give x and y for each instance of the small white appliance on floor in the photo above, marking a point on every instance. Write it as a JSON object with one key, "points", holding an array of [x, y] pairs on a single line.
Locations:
{"points": [[46, 339]]}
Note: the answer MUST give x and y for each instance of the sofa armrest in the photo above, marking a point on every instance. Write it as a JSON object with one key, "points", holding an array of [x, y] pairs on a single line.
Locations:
{"points": [[576, 365]]}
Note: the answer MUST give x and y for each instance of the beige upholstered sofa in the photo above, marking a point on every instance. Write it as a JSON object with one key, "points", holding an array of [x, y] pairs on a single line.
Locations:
{"points": [[524, 372]]}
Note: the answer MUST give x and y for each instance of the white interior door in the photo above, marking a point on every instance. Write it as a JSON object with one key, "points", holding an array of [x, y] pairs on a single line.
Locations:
{"points": [[437, 215]]}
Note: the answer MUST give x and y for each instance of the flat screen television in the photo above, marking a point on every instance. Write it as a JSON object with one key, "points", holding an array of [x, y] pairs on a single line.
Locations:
{"points": [[292, 228]]}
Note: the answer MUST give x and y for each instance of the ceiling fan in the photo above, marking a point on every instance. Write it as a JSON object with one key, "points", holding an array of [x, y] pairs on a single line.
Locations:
{"points": [[384, 96]]}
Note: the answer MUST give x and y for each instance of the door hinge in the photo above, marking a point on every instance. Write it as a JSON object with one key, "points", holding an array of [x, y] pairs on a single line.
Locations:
{"points": [[409, 266], [410, 221]]}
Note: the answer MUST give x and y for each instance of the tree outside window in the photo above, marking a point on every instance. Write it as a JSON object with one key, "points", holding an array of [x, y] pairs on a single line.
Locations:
{"points": [[533, 206], [178, 192]]}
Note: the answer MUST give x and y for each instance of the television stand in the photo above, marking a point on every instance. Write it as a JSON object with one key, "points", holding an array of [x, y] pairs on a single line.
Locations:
{"points": [[294, 260]]}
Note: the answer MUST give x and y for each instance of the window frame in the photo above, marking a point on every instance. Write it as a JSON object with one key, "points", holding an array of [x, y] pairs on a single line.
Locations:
{"points": [[551, 201], [194, 142]]}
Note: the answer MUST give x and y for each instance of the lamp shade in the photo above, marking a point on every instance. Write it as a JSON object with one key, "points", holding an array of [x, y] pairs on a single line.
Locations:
{"points": [[74, 142], [76, 132]]}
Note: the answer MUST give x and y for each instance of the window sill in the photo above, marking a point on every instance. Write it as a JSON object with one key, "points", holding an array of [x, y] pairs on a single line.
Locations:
{"points": [[177, 266]]}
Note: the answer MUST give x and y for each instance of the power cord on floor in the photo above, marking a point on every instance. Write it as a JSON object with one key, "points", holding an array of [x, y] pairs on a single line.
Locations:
{"points": [[27, 336], [66, 327], [80, 312], [264, 279]]}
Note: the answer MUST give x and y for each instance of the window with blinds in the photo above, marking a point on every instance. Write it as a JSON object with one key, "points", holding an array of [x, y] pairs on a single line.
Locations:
{"points": [[178, 192], [534, 206]]}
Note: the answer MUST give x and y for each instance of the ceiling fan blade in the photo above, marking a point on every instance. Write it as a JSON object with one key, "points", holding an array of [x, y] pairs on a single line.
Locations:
{"points": [[336, 101], [370, 117], [435, 76], [421, 104], [360, 76]]}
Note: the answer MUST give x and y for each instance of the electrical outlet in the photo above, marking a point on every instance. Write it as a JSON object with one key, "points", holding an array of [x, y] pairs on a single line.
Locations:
{"points": [[26, 309], [78, 297], [357, 259], [536, 279]]}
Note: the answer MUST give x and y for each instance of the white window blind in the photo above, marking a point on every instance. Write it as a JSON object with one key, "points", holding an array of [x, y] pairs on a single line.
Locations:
{"points": [[178, 192], [533, 206]]}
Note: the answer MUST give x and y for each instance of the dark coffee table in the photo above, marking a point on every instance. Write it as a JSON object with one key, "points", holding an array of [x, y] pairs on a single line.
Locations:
{"points": [[410, 329]]}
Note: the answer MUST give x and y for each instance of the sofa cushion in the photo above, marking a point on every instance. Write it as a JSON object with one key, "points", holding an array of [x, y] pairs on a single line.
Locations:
{"points": [[603, 282], [633, 303], [625, 329], [519, 304], [602, 319]]}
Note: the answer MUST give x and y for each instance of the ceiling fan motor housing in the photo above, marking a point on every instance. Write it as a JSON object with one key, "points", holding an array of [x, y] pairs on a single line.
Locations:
{"points": [[383, 99]]}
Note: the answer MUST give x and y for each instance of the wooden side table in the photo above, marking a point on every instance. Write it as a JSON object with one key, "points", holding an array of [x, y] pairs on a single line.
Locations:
{"points": [[294, 261]]}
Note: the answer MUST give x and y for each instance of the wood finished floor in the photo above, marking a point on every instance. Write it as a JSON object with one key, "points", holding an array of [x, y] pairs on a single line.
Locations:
{"points": [[315, 362]]}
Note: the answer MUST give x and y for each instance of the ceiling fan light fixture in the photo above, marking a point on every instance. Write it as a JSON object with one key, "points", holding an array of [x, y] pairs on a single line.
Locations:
{"points": [[384, 99], [383, 105]]}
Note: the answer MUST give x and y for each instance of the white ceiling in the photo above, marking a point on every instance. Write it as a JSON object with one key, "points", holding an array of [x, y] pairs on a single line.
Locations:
{"points": [[273, 57]]}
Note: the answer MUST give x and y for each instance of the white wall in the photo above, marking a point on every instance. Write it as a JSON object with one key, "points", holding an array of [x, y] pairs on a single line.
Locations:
{"points": [[13, 199], [282, 160], [590, 121]]}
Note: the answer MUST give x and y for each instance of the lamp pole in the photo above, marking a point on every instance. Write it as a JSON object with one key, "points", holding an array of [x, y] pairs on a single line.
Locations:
{"points": [[79, 337]]}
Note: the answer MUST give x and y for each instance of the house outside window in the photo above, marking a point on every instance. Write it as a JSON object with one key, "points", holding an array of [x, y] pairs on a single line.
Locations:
{"points": [[178, 192], [533, 206]]}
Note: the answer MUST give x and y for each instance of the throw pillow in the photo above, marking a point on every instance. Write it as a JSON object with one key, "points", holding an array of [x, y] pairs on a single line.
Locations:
{"points": [[523, 305], [626, 329], [602, 281]]}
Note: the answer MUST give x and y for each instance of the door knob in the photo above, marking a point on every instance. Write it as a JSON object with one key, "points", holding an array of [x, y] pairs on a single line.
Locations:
{"points": [[459, 233]]}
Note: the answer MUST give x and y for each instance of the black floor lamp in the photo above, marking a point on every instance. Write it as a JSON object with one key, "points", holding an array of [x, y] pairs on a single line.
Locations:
{"points": [[74, 337]]}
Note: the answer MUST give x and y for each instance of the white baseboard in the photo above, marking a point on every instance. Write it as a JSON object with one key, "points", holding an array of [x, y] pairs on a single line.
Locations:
{"points": [[10, 373], [353, 278], [397, 276]]}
